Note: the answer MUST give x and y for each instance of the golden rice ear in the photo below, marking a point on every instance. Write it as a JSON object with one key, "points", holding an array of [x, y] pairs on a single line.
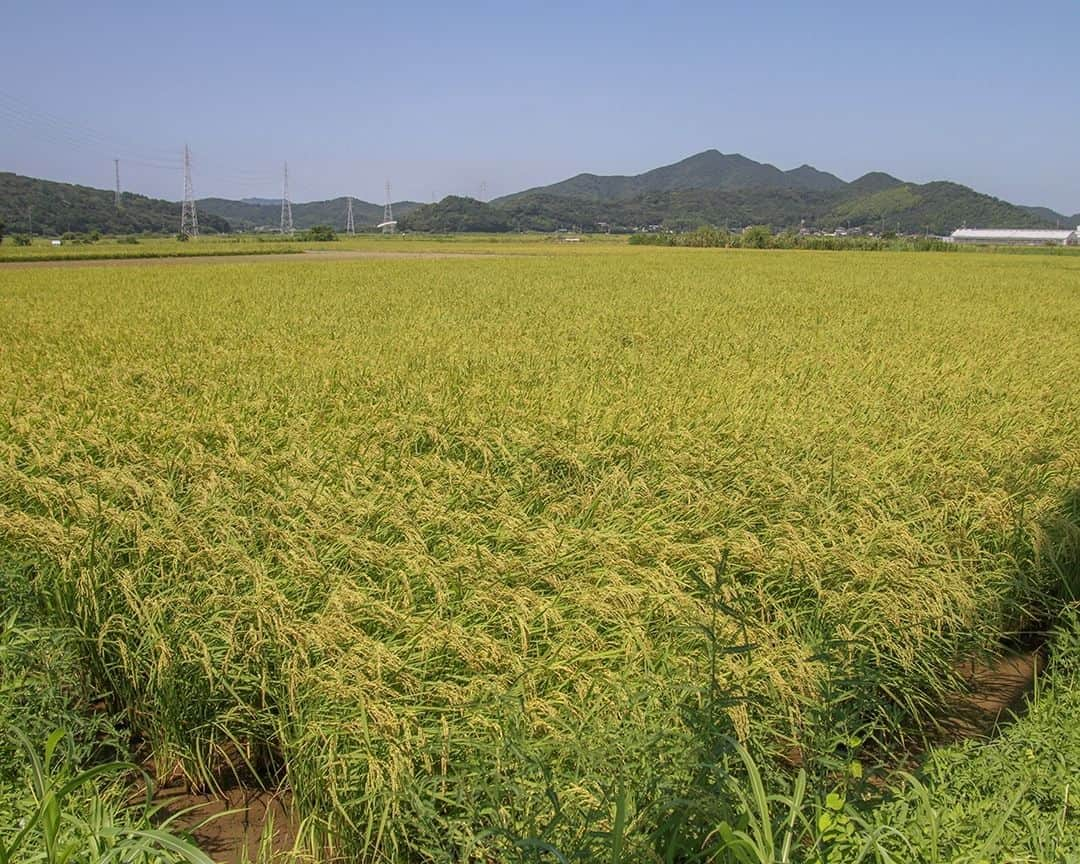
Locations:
{"points": [[478, 549]]}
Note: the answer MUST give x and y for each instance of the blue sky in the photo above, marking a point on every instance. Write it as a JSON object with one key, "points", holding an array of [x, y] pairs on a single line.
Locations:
{"points": [[439, 97]]}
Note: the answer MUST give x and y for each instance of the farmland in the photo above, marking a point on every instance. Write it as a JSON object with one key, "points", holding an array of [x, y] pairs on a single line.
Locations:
{"points": [[523, 553]]}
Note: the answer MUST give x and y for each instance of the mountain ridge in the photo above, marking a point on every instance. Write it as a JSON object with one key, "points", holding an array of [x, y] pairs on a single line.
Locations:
{"points": [[709, 187], [709, 169], [734, 191]]}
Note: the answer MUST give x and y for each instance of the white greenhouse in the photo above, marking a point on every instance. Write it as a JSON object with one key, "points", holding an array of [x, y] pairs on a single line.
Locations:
{"points": [[1017, 236]]}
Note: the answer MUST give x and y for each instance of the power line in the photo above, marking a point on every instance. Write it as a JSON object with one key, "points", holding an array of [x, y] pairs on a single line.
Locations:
{"points": [[60, 130]]}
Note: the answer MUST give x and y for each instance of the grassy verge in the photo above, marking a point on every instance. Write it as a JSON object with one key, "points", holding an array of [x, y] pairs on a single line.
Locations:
{"points": [[64, 782], [1013, 798]]}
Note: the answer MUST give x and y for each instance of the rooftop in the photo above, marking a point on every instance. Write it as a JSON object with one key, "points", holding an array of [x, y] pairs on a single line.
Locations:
{"points": [[1014, 233]]}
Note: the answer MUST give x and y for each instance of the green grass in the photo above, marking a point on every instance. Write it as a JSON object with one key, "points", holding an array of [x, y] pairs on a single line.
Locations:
{"points": [[65, 794], [1010, 799], [486, 556]]}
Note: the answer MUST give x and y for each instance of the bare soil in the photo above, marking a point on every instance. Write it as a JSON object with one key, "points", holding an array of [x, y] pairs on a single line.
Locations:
{"points": [[997, 690], [231, 826]]}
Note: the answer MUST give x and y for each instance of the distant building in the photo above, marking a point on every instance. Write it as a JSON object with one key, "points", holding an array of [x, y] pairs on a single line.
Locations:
{"points": [[1016, 236]]}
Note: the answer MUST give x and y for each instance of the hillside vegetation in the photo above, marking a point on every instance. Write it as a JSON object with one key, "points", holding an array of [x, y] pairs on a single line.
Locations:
{"points": [[56, 208], [247, 215], [710, 188], [732, 191]]}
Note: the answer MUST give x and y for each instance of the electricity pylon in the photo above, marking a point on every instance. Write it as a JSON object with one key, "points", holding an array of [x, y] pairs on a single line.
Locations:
{"points": [[189, 219], [286, 205]]}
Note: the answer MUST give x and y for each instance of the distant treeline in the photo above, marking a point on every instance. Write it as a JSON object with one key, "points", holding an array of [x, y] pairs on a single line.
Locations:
{"points": [[762, 237]]}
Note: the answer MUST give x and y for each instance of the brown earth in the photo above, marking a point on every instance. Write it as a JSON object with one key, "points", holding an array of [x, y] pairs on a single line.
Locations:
{"points": [[230, 827], [997, 689]]}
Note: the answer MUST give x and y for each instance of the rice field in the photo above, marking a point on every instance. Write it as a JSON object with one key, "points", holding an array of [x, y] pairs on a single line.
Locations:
{"points": [[493, 554]]}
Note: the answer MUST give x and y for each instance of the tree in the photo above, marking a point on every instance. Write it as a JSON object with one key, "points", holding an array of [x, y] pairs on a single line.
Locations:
{"points": [[2, 227], [320, 232], [756, 237]]}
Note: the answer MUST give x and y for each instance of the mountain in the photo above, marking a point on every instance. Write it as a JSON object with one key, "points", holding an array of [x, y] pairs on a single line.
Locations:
{"points": [[868, 184], [1053, 216], [874, 204], [938, 207], [709, 188], [55, 208], [708, 170], [809, 177], [455, 215], [745, 191], [730, 189], [254, 213]]}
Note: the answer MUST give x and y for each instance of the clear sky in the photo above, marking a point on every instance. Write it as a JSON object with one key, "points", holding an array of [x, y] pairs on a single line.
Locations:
{"points": [[440, 97]]}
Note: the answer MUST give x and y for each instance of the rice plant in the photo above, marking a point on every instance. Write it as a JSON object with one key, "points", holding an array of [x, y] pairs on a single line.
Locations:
{"points": [[462, 551]]}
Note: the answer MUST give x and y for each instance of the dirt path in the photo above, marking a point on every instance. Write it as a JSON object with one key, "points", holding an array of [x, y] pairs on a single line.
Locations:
{"points": [[332, 255], [997, 690], [230, 828]]}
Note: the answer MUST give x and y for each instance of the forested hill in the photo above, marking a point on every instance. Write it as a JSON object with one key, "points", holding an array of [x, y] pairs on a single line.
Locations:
{"points": [[711, 188], [266, 213], [879, 203], [53, 208], [730, 189], [710, 170]]}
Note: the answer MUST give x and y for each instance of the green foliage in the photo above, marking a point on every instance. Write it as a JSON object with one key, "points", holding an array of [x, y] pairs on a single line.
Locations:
{"points": [[320, 233], [756, 237], [760, 238], [21, 239], [1009, 799], [868, 209], [67, 819], [65, 207], [454, 215], [64, 794]]}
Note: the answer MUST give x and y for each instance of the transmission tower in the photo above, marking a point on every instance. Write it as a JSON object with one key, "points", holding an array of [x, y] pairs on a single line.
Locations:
{"points": [[189, 220], [350, 227], [116, 163], [286, 205], [483, 190], [388, 223]]}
